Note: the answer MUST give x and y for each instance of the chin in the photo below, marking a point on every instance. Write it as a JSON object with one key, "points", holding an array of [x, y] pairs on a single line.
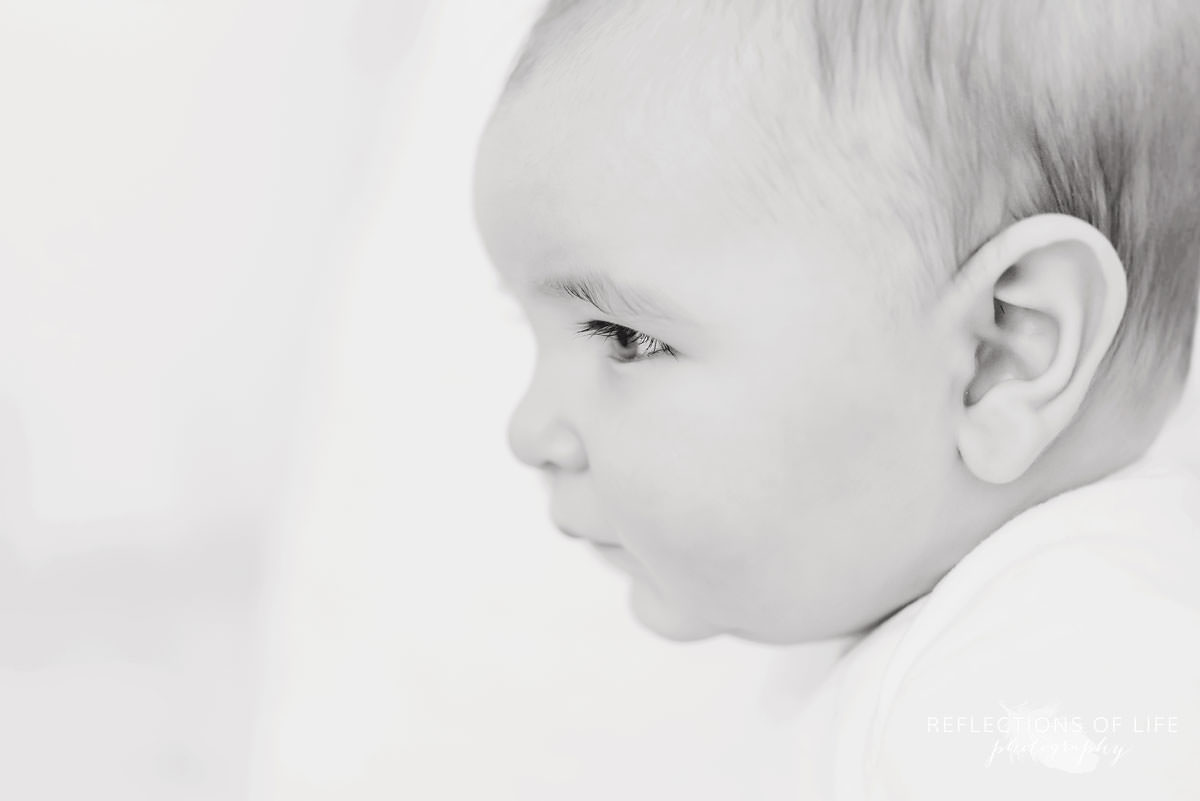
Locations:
{"points": [[662, 619]]}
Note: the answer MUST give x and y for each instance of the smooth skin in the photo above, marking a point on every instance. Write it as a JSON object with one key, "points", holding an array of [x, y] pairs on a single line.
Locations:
{"points": [[785, 447]]}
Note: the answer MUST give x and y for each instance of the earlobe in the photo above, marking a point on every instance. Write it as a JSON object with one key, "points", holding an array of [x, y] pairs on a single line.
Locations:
{"points": [[1001, 440], [1057, 288]]}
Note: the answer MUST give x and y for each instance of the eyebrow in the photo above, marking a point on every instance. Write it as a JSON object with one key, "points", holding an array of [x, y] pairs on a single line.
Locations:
{"points": [[607, 296]]}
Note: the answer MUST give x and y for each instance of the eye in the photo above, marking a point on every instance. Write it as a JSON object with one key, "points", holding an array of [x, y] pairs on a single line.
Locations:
{"points": [[631, 345]]}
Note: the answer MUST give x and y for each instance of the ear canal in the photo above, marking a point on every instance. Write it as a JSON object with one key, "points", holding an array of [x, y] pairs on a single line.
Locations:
{"points": [[1020, 345]]}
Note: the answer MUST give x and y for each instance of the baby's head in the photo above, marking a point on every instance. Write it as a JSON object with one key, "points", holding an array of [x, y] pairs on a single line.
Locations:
{"points": [[826, 291]]}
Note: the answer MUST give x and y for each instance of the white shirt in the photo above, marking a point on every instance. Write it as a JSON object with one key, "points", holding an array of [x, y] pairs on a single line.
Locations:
{"points": [[1059, 659]]}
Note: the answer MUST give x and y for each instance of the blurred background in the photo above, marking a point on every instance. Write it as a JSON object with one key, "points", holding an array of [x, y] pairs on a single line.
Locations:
{"points": [[260, 533]]}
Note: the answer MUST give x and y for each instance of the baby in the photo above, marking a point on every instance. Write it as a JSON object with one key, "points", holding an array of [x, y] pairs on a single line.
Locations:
{"points": [[857, 318]]}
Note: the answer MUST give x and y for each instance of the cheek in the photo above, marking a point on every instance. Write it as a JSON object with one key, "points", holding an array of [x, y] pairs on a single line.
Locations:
{"points": [[696, 490], [756, 504], [668, 488]]}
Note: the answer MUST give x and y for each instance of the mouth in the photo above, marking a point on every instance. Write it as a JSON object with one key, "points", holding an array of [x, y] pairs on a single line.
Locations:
{"points": [[600, 544]]}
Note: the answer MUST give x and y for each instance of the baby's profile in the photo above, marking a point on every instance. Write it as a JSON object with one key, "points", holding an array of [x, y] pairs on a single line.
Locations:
{"points": [[859, 318]]}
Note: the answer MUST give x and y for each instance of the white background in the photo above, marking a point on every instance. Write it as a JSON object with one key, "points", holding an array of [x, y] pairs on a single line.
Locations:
{"points": [[259, 528]]}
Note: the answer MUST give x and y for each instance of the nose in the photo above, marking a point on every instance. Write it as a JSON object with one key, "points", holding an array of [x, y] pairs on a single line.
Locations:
{"points": [[540, 433]]}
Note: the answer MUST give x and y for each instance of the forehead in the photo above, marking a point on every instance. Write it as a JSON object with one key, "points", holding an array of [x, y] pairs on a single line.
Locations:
{"points": [[577, 200], [659, 172], [550, 190]]}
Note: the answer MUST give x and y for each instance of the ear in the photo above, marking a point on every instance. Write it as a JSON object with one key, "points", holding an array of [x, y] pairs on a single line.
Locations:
{"points": [[1040, 303]]}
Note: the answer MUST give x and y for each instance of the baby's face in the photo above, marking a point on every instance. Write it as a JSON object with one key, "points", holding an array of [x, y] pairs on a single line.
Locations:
{"points": [[744, 421]]}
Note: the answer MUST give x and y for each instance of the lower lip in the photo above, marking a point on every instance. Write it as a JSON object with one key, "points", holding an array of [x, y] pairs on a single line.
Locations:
{"points": [[615, 555]]}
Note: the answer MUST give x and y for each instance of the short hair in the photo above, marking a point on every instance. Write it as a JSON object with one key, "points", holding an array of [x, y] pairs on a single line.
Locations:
{"points": [[1083, 107]]}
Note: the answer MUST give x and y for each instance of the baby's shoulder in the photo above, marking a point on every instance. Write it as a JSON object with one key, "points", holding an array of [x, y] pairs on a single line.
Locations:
{"points": [[1079, 594], [1072, 671]]}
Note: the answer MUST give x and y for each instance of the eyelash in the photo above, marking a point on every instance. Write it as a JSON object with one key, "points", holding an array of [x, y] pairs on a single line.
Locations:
{"points": [[626, 337]]}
